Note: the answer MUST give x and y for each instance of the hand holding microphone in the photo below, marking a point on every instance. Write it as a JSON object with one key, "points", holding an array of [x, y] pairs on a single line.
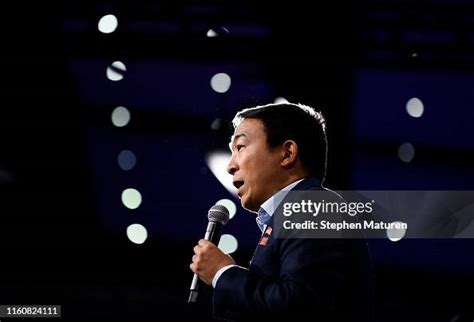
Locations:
{"points": [[208, 258]]}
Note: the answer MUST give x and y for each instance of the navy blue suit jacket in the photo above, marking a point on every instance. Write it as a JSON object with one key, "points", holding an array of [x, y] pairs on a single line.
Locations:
{"points": [[302, 279]]}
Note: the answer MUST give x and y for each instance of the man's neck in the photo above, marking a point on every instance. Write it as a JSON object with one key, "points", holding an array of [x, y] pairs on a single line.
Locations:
{"points": [[289, 180], [270, 204]]}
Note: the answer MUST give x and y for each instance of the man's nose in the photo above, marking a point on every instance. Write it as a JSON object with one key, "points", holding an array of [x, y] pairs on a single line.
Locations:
{"points": [[232, 166]]}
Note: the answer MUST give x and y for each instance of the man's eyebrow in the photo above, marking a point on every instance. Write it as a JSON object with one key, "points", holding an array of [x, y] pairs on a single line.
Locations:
{"points": [[234, 138]]}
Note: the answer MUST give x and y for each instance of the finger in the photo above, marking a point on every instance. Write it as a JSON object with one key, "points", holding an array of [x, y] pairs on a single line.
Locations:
{"points": [[204, 243], [194, 258], [197, 249], [192, 267]]}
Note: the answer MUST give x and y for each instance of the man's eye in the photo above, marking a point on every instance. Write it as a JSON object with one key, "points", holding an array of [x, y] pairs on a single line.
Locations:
{"points": [[239, 146]]}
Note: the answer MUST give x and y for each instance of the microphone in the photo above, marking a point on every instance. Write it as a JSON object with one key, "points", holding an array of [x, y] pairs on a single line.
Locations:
{"points": [[218, 216]]}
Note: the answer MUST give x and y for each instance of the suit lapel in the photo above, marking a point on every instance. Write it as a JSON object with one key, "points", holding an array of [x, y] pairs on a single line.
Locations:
{"points": [[310, 183], [264, 242]]}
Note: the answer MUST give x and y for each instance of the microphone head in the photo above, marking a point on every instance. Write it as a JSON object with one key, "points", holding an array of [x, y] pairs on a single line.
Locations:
{"points": [[218, 213]]}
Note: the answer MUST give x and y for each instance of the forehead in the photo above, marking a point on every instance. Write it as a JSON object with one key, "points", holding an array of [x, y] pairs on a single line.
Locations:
{"points": [[250, 128]]}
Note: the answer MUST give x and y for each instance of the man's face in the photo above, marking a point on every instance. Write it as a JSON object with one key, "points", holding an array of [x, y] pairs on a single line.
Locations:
{"points": [[254, 166]]}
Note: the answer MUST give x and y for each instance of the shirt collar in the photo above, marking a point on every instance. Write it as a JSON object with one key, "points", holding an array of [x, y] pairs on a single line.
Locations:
{"points": [[271, 203]]}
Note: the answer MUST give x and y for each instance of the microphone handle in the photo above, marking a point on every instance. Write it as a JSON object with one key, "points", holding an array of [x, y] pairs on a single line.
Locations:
{"points": [[213, 234]]}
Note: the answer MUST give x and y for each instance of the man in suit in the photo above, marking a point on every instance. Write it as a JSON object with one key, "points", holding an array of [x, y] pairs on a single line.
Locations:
{"points": [[278, 148]]}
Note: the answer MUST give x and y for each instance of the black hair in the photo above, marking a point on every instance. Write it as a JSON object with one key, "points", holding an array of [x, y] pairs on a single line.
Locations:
{"points": [[297, 122]]}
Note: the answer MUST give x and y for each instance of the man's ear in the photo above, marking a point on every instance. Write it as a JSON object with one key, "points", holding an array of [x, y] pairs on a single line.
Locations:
{"points": [[289, 153]]}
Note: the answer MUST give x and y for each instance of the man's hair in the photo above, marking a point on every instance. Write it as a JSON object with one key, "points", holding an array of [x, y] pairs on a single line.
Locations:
{"points": [[297, 122]]}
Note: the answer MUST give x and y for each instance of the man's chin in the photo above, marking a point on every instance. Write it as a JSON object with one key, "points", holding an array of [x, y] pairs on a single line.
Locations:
{"points": [[248, 206]]}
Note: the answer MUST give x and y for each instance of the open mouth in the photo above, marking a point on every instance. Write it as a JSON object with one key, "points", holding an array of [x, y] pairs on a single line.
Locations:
{"points": [[238, 184]]}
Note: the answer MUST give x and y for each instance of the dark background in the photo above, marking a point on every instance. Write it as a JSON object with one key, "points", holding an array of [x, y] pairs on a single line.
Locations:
{"points": [[62, 223]]}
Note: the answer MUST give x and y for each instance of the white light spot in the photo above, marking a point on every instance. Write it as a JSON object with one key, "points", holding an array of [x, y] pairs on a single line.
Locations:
{"points": [[395, 234], [217, 162], [220, 82], [414, 55], [406, 152], [216, 124], [415, 107], [137, 233], [230, 205], [107, 24], [131, 198], [120, 116], [211, 33], [116, 71], [217, 32], [280, 100], [228, 244], [126, 160]]}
